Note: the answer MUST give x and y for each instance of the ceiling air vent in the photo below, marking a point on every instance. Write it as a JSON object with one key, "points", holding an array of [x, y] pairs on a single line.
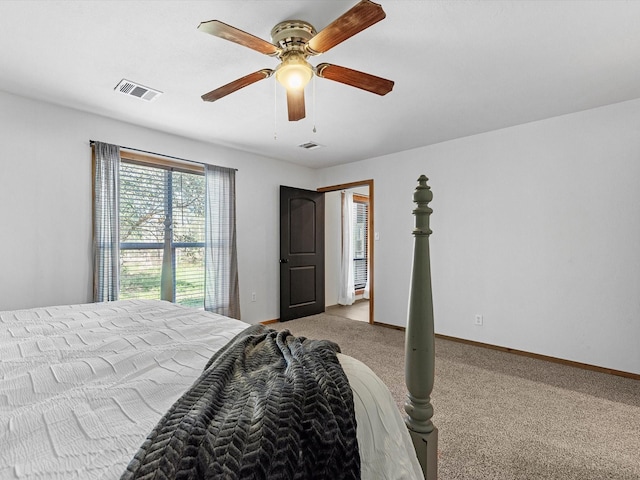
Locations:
{"points": [[133, 89], [310, 145]]}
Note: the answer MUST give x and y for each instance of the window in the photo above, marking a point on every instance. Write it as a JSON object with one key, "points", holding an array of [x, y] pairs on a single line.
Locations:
{"points": [[165, 206], [162, 212], [360, 240]]}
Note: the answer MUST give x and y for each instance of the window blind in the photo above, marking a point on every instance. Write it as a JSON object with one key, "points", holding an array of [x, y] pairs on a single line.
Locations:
{"points": [[360, 242], [149, 196]]}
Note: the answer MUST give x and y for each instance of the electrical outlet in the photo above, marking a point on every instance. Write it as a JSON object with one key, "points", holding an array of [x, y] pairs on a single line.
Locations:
{"points": [[253, 296], [478, 320]]}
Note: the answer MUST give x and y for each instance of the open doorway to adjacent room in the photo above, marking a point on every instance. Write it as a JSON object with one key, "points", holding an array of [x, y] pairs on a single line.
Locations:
{"points": [[349, 250]]}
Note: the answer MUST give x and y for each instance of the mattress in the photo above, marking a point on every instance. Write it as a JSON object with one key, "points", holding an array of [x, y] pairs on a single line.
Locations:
{"points": [[81, 386]]}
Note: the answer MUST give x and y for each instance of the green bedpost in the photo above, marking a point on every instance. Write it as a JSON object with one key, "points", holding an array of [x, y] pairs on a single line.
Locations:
{"points": [[419, 341], [167, 291]]}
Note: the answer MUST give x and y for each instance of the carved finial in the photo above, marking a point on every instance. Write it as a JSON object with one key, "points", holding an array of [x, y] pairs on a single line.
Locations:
{"points": [[422, 196], [423, 192]]}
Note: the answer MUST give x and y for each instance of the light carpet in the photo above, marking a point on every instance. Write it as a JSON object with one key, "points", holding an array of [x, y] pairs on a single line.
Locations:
{"points": [[506, 416]]}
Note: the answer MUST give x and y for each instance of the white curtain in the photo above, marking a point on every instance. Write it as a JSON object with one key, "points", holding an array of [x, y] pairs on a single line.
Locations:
{"points": [[106, 229], [347, 294], [365, 294], [221, 258]]}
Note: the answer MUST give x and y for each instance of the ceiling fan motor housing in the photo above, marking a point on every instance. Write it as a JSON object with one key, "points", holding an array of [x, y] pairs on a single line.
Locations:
{"points": [[292, 36]]}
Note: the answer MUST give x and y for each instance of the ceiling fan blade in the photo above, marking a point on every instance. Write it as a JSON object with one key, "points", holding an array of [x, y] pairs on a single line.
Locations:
{"points": [[360, 16], [233, 34], [245, 81], [295, 104], [354, 78]]}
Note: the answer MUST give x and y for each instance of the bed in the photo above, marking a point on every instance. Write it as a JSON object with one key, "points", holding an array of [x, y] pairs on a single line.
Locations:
{"points": [[82, 386]]}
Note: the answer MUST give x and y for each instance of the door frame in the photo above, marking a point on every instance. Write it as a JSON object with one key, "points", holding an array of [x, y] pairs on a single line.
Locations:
{"points": [[371, 240]]}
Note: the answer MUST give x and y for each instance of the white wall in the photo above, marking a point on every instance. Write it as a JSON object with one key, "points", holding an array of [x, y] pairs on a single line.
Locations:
{"points": [[536, 227], [45, 204]]}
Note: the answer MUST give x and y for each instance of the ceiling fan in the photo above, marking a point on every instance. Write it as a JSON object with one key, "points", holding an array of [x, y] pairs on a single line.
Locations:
{"points": [[293, 41]]}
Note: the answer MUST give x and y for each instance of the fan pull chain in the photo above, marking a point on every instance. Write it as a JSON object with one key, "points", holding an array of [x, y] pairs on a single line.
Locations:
{"points": [[275, 111], [314, 103]]}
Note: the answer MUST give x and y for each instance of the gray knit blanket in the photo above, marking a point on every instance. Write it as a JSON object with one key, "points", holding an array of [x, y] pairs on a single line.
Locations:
{"points": [[267, 406]]}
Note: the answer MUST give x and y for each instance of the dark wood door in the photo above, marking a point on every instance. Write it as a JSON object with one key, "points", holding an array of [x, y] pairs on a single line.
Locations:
{"points": [[301, 253]]}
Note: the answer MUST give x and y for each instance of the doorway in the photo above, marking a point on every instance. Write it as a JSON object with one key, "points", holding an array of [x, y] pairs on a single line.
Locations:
{"points": [[362, 309]]}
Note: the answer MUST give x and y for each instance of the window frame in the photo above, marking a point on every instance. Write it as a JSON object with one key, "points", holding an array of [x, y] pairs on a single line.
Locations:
{"points": [[170, 165]]}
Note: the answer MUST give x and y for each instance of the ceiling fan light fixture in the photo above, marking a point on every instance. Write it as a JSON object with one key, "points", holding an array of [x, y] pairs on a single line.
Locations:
{"points": [[294, 72]]}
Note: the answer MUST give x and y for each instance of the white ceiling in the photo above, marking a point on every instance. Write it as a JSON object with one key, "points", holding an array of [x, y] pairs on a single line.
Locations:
{"points": [[460, 68]]}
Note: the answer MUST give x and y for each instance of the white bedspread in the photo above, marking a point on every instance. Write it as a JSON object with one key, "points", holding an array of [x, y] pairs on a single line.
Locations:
{"points": [[81, 386]]}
